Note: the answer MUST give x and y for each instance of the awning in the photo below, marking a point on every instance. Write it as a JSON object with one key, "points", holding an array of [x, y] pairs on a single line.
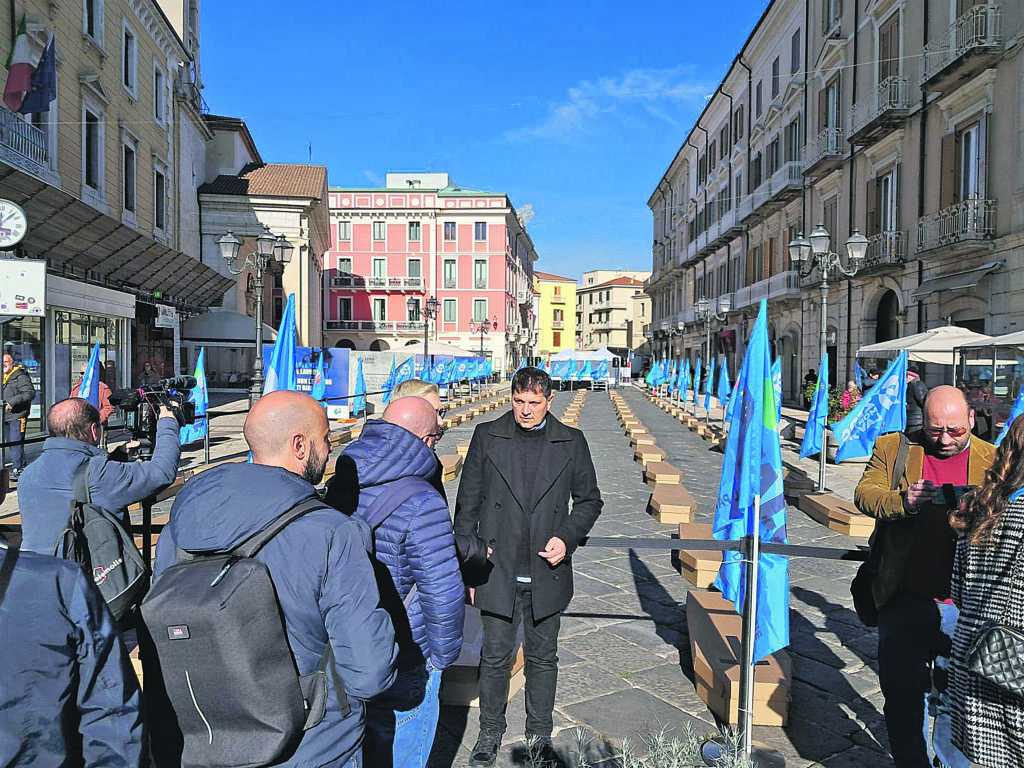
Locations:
{"points": [[934, 346], [956, 281], [70, 233]]}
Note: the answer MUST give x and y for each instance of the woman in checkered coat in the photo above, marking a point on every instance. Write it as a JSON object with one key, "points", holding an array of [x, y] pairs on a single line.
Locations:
{"points": [[988, 585]]}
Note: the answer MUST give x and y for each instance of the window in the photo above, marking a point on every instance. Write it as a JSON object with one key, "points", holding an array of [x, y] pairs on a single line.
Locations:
{"points": [[794, 53], [831, 10], [830, 214], [479, 310], [449, 311], [723, 140], [128, 177], [968, 165], [344, 231], [449, 231], [345, 308], [415, 231], [757, 98], [773, 156], [737, 124], [889, 48], [380, 268], [887, 203], [829, 107], [558, 290], [480, 273], [159, 95], [415, 268], [776, 78], [711, 156], [556, 339], [590, 299], [159, 200], [129, 60], [793, 141], [558, 315], [380, 310], [757, 172], [757, 266], [93, 151], [412, 313], [345, 266], [378, 231], [450, 273], [92, 20], [480, 230]]}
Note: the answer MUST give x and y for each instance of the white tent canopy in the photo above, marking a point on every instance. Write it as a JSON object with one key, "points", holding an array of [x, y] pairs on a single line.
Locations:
{"points": [[435, 348], [584, 354], [935, 346], [1007, 340]]}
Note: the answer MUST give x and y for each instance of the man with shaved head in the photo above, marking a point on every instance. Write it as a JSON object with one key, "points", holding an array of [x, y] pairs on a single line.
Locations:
{"points": [[116, 480], [319, 564], [383, 478], [909, 487]]}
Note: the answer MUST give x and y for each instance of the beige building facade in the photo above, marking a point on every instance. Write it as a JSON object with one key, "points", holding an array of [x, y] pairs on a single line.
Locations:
{"points": [[610, 313], [901, 120]]}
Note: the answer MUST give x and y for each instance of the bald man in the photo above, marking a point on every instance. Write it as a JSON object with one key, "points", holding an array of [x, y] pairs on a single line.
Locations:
{"points": [[384, 479], [319, 564], [913, 547]]}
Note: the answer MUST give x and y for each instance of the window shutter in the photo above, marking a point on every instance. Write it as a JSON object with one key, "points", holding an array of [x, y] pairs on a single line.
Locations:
{"points": [[750, 267], [897, 181], [824, 17], [871, 207], [983, 156], [947, 171], [822, 109]]}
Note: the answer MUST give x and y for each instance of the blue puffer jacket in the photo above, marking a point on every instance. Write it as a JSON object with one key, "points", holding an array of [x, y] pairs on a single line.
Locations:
{"points": [[416, 542], [324, 581]]}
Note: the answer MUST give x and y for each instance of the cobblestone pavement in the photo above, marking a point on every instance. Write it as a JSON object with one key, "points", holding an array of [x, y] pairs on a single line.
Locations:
{"points": [[625, 664]]}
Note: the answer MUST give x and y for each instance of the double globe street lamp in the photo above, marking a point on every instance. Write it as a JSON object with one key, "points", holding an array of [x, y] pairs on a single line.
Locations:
{"points": [[270, 250], [705, 314], [429, 311], [807, 255]]}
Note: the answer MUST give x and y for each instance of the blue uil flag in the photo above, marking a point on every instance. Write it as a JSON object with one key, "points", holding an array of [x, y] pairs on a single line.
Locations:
{"points": [[882, 409]]}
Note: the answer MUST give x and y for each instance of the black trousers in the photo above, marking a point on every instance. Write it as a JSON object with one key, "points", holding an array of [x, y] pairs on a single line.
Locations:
{"points": [[540, 645]]}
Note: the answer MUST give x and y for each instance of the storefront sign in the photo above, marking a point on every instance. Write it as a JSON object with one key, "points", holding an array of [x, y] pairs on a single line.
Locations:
{"points": [[22, 287], [166, 317]]}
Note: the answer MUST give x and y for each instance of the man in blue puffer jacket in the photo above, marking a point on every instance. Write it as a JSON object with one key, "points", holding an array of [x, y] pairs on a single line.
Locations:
{"points": [[415, 549]]}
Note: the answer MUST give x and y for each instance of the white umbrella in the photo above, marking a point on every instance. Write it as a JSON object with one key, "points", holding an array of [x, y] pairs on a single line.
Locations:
{"points": [[935, 346], [436, 348]]}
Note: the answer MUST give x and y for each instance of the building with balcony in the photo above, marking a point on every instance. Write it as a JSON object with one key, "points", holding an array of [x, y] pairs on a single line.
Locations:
{"points": [[105, 177], [913, 141], [556, 312], [611, 313], [419, 237]]}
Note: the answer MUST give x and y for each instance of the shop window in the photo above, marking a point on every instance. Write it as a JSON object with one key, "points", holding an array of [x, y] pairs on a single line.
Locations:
{"points": [[24, 341]]}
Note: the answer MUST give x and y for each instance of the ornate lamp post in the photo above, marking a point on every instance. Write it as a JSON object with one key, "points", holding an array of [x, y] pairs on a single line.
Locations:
{"points": [[706, 314], [269, 250], [808, 255], [482, 328], [430, 308]]}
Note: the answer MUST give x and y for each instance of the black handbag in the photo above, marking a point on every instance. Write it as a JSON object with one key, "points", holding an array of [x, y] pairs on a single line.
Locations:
{"points": [[997, 653], [863, 582]]}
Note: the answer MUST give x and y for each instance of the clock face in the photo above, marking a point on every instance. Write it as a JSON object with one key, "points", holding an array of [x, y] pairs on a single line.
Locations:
{"points": [[13, 224]]}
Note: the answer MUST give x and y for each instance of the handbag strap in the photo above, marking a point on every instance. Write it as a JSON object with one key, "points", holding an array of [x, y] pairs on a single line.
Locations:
{"points": [[901, 463]]}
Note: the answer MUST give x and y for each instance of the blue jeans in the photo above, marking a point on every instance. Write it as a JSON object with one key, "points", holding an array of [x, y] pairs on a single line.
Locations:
{"points": [[915, 636], [13, 433], [400, 723]]}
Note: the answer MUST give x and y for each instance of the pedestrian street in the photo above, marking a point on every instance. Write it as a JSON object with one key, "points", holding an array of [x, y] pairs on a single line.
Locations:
{"points": [[625, 665]]}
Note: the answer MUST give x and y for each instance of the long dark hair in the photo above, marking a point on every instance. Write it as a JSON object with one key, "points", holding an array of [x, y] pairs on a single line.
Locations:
{"points": [[982, 509]]}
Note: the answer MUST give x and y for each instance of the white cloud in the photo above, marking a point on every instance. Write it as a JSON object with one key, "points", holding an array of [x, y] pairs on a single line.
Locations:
{"points": [[663, 94], [374, 178]]}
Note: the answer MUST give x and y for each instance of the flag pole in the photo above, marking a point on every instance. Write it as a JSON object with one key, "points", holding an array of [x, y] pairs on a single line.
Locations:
{"points": [[746, 709]]}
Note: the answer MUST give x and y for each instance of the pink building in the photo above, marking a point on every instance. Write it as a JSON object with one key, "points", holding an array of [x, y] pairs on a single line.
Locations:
{"points": [[422, 237]]}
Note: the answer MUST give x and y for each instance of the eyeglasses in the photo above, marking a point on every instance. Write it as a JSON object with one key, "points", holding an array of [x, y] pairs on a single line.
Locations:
{"points": [[441, 412], [436, 435], [937, 432]]}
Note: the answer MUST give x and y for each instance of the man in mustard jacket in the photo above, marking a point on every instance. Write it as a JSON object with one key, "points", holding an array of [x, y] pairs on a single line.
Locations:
{"points": [[913, 546]]}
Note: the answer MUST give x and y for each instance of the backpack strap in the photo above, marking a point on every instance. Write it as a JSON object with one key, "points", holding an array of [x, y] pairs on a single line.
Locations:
{"points": [[901, 462], [81, 483], [256, 542], [394, 496]]}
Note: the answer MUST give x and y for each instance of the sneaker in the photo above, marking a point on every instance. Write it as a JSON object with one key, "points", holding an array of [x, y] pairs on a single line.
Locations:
{"points": [[486, 750], [15, 473]]}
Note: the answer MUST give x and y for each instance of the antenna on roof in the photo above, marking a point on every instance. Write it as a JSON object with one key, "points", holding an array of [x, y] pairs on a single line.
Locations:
{"points": [[310, 151]]}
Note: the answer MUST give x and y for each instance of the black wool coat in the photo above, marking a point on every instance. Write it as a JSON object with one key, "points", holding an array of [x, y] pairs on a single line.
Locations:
{"points": [[488, 507]]}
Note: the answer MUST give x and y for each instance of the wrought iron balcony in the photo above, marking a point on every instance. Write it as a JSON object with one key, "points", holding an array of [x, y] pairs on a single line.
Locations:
{"points": [[886, 249], [386, 326], [480, 283], [967, 47], [967, 222], [880, 111], [450, 282], [784, 286], [826, 150], [377, 283], [22, 144], [757, 200], [787, 181]]}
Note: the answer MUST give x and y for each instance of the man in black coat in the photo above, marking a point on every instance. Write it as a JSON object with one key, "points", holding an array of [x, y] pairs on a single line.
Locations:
{"points": [[18, 394], [520, 473]]}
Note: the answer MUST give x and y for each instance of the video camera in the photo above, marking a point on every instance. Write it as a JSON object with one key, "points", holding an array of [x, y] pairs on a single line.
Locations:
{"points": [[140, 407]]}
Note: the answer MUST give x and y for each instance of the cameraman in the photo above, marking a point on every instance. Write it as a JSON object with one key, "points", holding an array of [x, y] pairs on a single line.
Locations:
{"points": [[46, 488]]}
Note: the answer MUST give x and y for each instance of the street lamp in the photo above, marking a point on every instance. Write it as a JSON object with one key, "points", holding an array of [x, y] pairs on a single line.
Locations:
{"points": [[808, 255], [269, 249], [704, 313], [430, 308], [482, 328]]}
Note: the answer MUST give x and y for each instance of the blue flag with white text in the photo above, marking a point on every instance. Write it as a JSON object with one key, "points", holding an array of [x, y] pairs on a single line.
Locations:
{"points": [[281, 368], [199, 395], [602, 370], [723, 385], [390, 383], [814, 435], [882, 409]]}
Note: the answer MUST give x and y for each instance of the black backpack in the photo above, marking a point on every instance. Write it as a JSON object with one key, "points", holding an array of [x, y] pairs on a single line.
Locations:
{"points": [[98, 541], [219, 636]]}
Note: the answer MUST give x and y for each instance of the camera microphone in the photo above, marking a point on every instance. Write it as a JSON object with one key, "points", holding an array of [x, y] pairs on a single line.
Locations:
{"points": [[181, 382]]}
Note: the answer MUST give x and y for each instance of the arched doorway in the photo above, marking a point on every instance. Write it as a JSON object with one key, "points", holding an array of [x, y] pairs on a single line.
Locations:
{"points": [[379, 345], [345, 344], [789, 346], [414, 341], [887, 326]]}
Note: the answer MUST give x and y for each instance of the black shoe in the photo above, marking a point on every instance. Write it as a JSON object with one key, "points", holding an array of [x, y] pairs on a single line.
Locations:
{"points": [[543, 750], [15, 473], [486, 750]]}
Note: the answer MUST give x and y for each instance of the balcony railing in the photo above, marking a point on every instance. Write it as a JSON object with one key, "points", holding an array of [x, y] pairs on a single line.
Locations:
{"points": [[392, 326], [781, 286], [761, 195], [788, 179], [829, 144], [450, 282], [886, 249], [21, 143], [557, 299], [978, 29], [745, 208], [889, 99], [558, 324], [964, 222], [377, 283]]}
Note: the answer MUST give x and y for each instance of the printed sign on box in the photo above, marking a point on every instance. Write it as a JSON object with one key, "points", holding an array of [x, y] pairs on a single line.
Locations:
{"points": [[22, 287]]}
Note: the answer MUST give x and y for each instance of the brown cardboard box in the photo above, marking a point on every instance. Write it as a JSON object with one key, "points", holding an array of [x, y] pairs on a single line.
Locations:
{"points": [[460, 682], [672, 504], [836, 514], [662, 472], [648, 454], [698, 566], [451, 465]]}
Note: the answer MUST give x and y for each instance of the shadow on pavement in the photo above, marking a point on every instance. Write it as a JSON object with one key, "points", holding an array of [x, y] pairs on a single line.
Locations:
{"points": [[668, 615]]}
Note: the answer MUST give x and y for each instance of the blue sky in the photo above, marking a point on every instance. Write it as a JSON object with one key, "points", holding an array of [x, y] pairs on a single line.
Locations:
{"points": [[574, 108]]}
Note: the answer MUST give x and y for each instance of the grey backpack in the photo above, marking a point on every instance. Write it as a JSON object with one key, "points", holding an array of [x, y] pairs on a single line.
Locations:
{"points": [[97, 540], [225, 664]]}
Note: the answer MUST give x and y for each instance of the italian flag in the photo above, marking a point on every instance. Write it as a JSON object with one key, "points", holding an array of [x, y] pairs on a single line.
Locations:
{"points": [[19, 70]]}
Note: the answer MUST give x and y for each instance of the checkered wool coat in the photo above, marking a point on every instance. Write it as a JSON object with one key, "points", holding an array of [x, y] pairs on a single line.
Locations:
{"points": [[988, 724]]}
